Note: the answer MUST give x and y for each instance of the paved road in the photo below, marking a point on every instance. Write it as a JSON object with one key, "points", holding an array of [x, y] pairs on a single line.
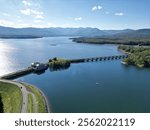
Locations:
{"points": [[46, 104], [24, 94]]}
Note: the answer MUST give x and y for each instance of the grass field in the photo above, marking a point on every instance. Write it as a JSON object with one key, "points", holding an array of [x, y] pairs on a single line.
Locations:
{"points": [[30, 107], [11, 98], [39, 98]]}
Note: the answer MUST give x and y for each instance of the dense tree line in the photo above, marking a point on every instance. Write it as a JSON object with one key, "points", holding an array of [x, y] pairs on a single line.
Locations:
{"points": [[139, 56], [125, 41]]}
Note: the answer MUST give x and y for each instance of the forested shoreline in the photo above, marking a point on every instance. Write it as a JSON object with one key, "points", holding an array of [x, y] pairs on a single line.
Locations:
{"points": [[138, 56]]}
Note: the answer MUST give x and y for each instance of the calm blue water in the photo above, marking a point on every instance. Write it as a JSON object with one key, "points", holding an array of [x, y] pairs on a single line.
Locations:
{"points": [[106, 86]]}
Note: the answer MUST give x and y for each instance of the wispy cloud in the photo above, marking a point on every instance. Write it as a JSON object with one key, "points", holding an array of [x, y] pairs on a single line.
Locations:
{"points": [[31, 9], [20, 20], [37, 14], [37, 21], [94, 8], [5, 14], [39, 17], [6, 23], [26, 2], [78, 19], [49, 24], [26, 11], [119, 14]]}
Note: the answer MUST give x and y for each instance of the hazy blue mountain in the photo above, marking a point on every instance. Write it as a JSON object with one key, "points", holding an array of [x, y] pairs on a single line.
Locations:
{"points": [[141, 33], [45, 32], [82, 32], [112, 32]]}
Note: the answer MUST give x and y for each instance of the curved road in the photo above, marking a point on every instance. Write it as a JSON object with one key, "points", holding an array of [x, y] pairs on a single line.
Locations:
{"points": [[24, 94], [46, 103]]}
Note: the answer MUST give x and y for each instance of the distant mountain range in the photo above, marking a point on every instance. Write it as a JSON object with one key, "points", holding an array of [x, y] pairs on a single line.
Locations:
{"points": [[9, 32]]}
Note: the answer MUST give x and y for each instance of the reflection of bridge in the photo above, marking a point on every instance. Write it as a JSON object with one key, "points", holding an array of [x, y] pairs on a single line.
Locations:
{"points": [[96, 59]]}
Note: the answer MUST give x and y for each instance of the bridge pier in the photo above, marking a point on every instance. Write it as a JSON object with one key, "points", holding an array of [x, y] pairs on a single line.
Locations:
{"points": [[95, 59]]}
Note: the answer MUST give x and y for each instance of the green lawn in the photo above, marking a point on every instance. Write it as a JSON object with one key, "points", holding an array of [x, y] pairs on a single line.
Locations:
{"points": [[11, 98], [30, 107], [39, 98]]}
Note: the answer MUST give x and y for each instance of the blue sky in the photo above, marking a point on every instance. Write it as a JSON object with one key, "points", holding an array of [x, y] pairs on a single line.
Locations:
{"points": [[103, 14]]}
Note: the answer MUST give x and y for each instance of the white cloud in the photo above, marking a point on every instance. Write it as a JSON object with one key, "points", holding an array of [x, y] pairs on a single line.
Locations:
{"points": [[26, 3], [20, 20], [65, 25], [99, 7], [38, 21], [78, 19], [37, 14], [94, 8], [119, 14], [39, 17], [26, 11], [6, 23], [20, 24], [49, 24], [32, 9], [5, 14]]}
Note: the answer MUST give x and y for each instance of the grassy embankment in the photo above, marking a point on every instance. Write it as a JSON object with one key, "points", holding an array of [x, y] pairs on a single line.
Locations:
{"points": [[11, 98], [138, 56], [39, 100], [30, 106]]}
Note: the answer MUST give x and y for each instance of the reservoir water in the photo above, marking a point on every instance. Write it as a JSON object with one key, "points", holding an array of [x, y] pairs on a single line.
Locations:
{"points": [[106, 86]]}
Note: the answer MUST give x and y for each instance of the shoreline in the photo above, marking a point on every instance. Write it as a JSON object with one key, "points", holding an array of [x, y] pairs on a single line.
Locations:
{"points": [[124, 63]]}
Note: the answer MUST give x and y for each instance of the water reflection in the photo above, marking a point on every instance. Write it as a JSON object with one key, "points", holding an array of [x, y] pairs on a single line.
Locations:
{"points": [[5, 54], [56, 64], [56, 68], [40, 72], [89, 87]]}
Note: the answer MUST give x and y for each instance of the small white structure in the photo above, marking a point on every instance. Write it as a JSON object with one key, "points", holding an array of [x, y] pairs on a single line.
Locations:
{"points": [[38, 66]]}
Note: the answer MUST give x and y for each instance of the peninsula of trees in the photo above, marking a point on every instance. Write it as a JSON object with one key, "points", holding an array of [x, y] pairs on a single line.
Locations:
{"points": [[138, 56]]}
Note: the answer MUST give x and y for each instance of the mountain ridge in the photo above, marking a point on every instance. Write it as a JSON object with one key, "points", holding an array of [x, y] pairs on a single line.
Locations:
{"points": [[6, 32]]}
